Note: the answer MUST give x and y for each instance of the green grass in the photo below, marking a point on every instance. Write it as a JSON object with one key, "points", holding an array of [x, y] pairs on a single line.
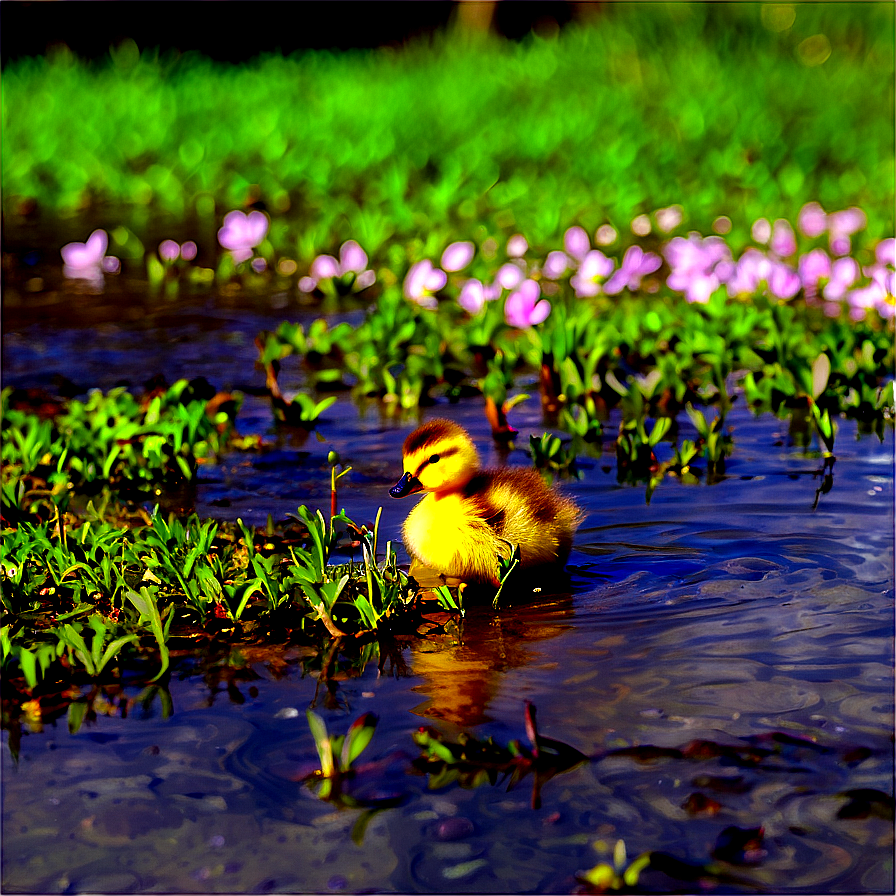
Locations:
{"points": [[706, 105]]}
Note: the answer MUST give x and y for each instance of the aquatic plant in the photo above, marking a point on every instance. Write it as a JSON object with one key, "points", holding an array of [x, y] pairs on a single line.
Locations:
{"points": [[472, 762], [88, 261], [337, 753], [241, 233], [615, 876]]}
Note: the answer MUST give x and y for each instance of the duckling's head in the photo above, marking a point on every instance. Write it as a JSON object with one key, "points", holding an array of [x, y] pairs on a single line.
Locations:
{"points": [[437, 457]]}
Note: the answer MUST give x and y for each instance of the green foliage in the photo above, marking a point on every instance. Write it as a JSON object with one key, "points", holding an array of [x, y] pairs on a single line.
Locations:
{"points": [[112, 441], [550, 455], [698, 95]]}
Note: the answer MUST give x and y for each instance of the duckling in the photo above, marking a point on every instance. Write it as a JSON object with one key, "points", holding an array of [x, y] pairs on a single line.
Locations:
{"points": [[469, 515]]}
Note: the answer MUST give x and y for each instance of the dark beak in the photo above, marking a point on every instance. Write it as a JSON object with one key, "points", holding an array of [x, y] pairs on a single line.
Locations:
{"points": [[407, 485]]}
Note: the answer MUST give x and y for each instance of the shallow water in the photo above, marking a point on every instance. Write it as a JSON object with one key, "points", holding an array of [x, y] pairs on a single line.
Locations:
{"points": [[733, 613]]}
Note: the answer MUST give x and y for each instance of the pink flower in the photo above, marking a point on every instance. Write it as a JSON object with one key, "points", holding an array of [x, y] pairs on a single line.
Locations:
{"points": [[842, 225], [669, 218], [87, 261], [457, 256], [885, 252], [555, 265], [594, 268], [324, 267], [783, 240], [751, 270], [636, 264], [812, 220], [422, 282], [472, 296], [813, 267], [783, 281], [761, 231], [576, 243], [697, 265], [241, 233], [844, 272], [510, 275], [523, 308], [352, 260], [517, 246], [170, 251]]}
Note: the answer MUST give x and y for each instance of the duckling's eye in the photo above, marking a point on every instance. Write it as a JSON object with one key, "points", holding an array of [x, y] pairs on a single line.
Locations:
{"points": [[434, 459]]}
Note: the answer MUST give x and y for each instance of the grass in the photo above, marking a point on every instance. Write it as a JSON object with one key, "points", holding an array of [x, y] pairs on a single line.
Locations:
{"points": [[725, 108]]}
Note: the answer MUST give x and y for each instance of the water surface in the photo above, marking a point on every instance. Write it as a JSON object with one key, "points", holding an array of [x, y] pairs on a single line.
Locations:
{"points": [[754, 615]]}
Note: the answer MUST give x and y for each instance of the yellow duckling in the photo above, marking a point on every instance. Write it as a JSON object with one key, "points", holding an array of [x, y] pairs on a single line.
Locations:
{"points": [[469, 515]]}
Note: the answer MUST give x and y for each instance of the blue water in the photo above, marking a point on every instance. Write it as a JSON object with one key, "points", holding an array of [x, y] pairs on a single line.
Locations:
{"points": [[735, 613]]}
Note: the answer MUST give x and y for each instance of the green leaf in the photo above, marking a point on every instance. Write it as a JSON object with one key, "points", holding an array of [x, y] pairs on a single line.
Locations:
{"points": [[147, 605], [358, 737]]}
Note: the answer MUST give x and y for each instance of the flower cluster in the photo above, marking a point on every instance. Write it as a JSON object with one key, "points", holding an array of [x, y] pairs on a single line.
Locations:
{"points": [[88, 261], [696, 266], [350, 271]]}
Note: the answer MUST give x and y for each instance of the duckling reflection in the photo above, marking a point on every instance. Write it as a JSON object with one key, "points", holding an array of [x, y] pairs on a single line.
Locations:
{"points": [[469, 516], [461, 680]]}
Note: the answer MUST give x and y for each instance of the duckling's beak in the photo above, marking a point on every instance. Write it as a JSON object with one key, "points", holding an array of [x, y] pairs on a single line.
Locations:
{"points": [[407, 485]]}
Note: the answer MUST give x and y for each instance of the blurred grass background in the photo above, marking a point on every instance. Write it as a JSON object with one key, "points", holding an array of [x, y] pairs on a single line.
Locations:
{"points": [[736, 109]]}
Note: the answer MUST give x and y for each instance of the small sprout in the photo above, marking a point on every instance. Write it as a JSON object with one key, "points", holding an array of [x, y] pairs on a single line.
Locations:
{"points": [[619, 875]]}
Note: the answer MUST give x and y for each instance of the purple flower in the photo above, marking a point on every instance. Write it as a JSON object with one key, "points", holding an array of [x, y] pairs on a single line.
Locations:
{"points": [[576, 243], [517, 246], [694, 264], [594, 268], [170, 251], [636, 264], [422, 281], [523, 308], [844, 272], [510, 275], [472, 296], [555, 265], [871, 296], [813, 267], [841, 226], [457, 256], [241, 233], [885, 252], [752, 268], [352, 260], [783, 281], [324, 267], [883, 276], [812, 220], [87, 261], [783, 241]]}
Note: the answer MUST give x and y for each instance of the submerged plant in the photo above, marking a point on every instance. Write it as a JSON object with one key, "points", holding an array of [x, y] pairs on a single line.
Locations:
{"points": [[615, 876], [473, 762], [337, 752]]}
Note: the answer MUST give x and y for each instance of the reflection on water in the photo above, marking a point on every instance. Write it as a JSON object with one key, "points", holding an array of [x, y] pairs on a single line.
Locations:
{"points": [[724, 654]]}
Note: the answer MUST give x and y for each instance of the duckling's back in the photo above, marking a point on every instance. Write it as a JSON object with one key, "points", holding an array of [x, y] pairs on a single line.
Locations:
{"points": [[524, 511]]}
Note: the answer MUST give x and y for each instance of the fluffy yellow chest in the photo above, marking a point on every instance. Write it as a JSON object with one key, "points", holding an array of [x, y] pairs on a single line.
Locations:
{"points": [[440, 531]]}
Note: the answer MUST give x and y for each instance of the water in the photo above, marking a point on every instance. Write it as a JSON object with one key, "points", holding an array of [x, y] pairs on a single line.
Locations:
{"points": [[735, 614]]}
